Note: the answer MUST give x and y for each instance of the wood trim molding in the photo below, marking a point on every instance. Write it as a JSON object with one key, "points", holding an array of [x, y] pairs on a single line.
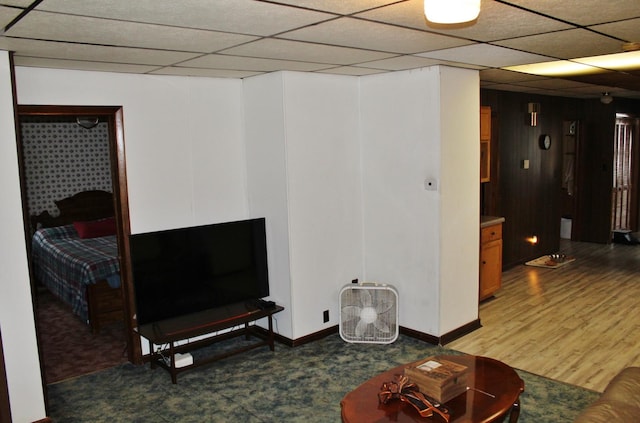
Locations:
{"points": [[5, 405], [460, 332], [430, 339], [434, 340], [114, 115], [305, 339], [444, 339]]}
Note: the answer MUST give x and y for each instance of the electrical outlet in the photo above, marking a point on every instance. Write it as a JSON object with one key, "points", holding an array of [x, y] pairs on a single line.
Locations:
{"points": [[325, 316]]}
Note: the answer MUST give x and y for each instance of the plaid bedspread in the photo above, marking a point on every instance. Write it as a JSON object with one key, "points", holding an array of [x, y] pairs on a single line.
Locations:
{"points": [[65, 263]]}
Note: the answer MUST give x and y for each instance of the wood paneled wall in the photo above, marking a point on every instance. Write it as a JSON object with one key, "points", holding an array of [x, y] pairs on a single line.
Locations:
{"points": [[530, 199]]}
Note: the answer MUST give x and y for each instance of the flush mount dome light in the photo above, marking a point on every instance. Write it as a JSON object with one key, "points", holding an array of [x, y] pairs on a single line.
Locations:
{"points": [[451, 11], [87, 122]]}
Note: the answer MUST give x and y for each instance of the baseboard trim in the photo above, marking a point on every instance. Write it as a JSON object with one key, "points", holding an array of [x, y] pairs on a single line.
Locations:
{"points": [[460, 332], [305, 339], [431, 339], [444, 339], [422, 336]]}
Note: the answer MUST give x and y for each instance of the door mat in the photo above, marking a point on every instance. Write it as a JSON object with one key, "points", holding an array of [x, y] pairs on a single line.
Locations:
{"points": [[546, 261]]}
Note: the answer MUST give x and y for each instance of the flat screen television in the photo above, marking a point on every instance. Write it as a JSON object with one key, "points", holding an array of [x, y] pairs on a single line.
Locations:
{"points": [[182, 271]]}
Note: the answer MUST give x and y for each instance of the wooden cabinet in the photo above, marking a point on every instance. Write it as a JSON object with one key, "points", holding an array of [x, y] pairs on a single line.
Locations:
{"points": [[490, 259], [485, 143]]}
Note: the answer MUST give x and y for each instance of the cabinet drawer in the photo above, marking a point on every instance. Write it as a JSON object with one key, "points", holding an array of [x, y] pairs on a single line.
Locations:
{"points": [[491, 233]]}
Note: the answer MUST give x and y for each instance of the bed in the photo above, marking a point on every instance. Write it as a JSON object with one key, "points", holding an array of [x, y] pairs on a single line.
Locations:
{"points": [[75, 256]]}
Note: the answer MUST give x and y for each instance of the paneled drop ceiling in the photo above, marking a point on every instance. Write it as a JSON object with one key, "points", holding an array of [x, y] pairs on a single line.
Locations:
{"points": [[242, 38]]}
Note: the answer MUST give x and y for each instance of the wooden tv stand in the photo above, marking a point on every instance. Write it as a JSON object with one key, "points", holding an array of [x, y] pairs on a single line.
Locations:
{"points": [[171, 330]]}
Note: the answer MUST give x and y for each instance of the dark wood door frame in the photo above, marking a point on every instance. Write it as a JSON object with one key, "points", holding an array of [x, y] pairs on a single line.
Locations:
{"points": [[5, 406], [114, 117]]}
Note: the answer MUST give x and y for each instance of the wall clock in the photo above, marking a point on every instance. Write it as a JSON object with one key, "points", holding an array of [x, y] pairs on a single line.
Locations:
{"points": [[545, 142]]}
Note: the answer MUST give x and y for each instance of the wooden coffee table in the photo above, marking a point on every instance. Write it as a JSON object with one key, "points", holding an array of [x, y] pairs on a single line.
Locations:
{"points": [[493, 392]]}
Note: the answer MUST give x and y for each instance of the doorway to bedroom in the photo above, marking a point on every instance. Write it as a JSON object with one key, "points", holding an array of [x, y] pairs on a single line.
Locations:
{"points": [[73, 184]]}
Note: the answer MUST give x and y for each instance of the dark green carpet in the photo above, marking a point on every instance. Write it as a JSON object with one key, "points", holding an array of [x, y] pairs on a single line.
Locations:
{"points": [[302, 384]]}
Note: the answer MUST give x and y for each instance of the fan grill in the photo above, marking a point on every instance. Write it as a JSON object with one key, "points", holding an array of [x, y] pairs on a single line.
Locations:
{"points": [[369, 313]]}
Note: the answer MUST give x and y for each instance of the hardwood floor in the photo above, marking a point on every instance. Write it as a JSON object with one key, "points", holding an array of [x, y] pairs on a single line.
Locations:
{"points": [[579, 323]]}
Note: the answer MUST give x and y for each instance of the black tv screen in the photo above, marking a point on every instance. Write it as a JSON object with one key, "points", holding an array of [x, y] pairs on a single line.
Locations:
{"points": [[182, 271]]}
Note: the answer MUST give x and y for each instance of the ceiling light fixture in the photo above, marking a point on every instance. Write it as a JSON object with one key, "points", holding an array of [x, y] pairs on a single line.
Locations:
{"points": [[606, 98], [451, 11], [87, 122], [557, 68], [630, 46], [627, 61]]}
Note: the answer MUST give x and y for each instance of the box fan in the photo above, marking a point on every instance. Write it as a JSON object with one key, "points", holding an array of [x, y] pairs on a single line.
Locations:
{"points": [[369, 313]]}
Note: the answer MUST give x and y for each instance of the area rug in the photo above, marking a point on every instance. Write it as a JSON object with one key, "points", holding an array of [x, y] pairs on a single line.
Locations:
{"points": [[549, 263], [301, 384]]}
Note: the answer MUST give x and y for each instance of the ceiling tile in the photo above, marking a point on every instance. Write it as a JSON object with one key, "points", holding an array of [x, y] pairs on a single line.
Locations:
{"points": [[79, 65], [505, 76], [220, 61], [18, 3], [239, 16], [596, 89], [628, 30], [510, 87], [209, 73], [305, 52], [373, 36], [338, 6], [7, 14], [351, 70], [552, 83], [615, 79], [401, 63], [584, 12], [223, 38], [54, 26], [559, 93], [412, 62], [82, 52], [565, 44], [485, 55], [496, 21]]}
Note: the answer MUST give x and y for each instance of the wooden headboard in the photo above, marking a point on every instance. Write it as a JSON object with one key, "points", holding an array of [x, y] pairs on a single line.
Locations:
{"points": [[83, 206]]}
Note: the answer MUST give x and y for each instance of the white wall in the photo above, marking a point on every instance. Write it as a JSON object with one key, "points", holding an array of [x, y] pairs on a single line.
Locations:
{"points": [[304, 175], [325, 208], [337, 165], [184, 143], [183, 140], [16, 310], [401, 148], [460, 197], [425, 243], [267, 183]]}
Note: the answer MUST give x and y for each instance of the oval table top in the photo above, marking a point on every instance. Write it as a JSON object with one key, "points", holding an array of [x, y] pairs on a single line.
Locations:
{"points": [[493, 391]]}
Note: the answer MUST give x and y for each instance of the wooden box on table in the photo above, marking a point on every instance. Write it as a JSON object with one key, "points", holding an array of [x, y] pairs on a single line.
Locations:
{"points": [[439, 379]]}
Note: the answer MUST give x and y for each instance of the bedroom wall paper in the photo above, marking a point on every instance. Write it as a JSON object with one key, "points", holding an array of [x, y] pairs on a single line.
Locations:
{"points": [[62, 158]]}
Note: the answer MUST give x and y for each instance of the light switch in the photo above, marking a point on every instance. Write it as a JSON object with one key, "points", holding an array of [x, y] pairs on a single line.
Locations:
{"points": [[525, 164]]}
